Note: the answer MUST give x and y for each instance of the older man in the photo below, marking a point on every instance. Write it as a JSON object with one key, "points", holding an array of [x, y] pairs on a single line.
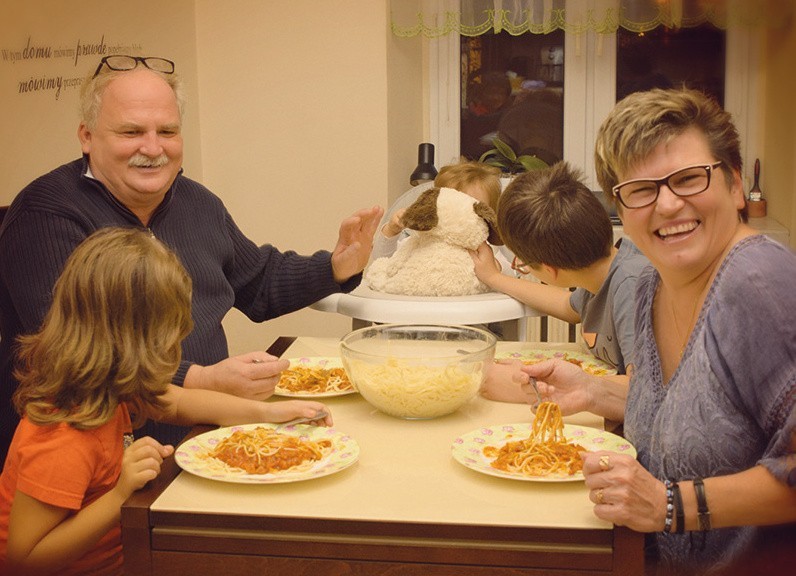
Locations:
{"points": [[130, 175]]}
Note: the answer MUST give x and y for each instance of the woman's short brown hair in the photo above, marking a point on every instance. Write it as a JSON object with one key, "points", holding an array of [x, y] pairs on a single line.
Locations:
{"points": [[643, 120]]}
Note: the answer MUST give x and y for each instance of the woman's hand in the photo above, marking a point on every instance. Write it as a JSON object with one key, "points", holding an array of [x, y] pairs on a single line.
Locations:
{"points": [[561, 382], [623, 492]]}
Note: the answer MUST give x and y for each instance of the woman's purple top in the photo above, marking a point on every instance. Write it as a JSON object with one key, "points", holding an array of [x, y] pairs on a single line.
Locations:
{"points": [[729, 405]]}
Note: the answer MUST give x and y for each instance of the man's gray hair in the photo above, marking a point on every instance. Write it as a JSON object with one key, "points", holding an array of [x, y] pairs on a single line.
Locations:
{"points": [[93, 88]]}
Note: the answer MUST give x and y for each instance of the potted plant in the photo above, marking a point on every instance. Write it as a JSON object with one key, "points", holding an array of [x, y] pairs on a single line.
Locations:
{"points": [[507, 160]]}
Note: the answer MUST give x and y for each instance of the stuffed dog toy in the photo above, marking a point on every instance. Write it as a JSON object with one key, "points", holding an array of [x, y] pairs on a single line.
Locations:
{"points": [[434, 260]]}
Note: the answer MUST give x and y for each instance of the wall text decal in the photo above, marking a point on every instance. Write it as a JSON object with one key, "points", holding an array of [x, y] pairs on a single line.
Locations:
{"points": [[61, 62]]}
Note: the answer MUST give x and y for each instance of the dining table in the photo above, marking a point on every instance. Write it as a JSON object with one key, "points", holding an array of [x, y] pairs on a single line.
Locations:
{"points": [[404, 507]]}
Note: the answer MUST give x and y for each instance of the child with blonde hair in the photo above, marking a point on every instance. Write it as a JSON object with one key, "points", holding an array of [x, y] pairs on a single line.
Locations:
{"points": [[101, 364], [476, 179]]}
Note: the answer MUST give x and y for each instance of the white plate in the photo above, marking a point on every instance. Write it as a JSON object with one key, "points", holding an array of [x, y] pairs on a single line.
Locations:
{"points": [[589, 363], [345, 451], [468, 449], [313, 362]]}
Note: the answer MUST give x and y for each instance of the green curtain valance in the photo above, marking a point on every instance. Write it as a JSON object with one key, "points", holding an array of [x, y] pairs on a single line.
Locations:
{"points": [[435, 18]]}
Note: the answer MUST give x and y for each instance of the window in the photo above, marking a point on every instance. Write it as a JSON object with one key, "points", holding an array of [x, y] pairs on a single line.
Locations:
{"points": [[588, 71], [512, 87], [667, 57]]}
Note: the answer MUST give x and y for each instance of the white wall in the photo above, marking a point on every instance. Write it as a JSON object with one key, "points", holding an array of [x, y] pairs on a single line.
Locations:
{"points": [[47, 42], [288, 117], [778, 175], [294, 116]]}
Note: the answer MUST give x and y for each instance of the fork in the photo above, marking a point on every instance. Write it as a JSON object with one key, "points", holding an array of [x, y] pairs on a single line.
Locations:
{"points": [[536, 390], [318, 415]]}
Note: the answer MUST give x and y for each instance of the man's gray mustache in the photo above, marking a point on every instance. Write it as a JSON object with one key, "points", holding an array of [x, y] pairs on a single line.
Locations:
{"points": [[141, 161]]}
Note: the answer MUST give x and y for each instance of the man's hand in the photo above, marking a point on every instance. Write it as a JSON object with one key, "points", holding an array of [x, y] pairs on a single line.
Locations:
{"points": [[253, 375], [351, 254]]}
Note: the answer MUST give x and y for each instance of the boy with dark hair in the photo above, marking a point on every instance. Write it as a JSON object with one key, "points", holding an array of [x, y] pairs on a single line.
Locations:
{"points": [[562, 235]]}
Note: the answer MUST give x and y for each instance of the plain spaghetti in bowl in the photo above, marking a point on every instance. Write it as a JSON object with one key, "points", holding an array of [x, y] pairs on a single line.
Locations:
{"points": [[416, 371]]}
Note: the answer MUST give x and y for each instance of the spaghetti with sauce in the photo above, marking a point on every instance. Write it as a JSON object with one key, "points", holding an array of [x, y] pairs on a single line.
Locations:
{"points": [[264, 451], [545, 452], [314, 380], [590, 367]]}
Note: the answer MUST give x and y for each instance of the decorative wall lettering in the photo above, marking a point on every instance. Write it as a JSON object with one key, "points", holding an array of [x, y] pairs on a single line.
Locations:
{"points": [[42, 66]]}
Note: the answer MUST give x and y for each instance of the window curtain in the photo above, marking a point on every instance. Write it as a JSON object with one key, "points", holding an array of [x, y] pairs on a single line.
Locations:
{"points": [[435, 18]]}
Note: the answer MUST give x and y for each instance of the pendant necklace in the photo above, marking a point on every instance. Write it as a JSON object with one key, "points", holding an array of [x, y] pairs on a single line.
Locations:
{"points": [[692, 321]]}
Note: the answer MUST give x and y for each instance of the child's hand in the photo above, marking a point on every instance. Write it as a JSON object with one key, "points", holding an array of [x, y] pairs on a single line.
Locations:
{"points": [[504, 383], [289, 409], [484, 263], [141, 463], [395, 225]]}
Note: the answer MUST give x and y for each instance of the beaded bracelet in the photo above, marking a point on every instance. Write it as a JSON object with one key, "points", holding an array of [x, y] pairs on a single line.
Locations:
{"points": [[667, 523], [703, 513], [678, 509]]}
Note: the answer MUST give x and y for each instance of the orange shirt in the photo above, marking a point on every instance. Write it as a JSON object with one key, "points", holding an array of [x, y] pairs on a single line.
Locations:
{"points": [[61, 466]]}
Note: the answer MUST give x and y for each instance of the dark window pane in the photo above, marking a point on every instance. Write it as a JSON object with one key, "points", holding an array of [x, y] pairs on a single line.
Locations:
{"points": [[513, 86], [669, 57]]}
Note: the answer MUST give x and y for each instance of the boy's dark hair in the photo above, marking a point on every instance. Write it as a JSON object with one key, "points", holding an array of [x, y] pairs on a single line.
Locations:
{"points": [[549, 216]]}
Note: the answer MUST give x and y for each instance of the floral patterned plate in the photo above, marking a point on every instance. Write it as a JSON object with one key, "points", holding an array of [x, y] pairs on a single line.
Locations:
{"points": [[468, 449], [326, 362], [192, 457], [589, 363]]}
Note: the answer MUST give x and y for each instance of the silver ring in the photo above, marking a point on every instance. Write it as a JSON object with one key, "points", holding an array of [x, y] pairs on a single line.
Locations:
{"points": [[605, 462]]}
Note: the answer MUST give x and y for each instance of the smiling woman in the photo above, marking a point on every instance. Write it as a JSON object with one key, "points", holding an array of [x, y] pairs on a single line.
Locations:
{"points": [[703, 402]]}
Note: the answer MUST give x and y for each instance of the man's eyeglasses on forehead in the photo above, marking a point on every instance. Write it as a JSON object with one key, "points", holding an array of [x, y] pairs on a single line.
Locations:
{"points": [[684, 182], [121, 63], [519, 266]]}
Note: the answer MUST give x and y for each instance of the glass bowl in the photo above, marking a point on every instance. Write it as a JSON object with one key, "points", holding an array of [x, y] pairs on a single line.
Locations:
{"points": [[417, 371]]}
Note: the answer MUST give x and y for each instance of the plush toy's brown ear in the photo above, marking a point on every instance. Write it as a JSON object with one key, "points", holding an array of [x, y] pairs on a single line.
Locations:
{"points": [[489, 216], [422, 213]]}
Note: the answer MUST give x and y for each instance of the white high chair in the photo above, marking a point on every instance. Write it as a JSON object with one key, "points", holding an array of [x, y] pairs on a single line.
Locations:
{"points": [[366, 306]]}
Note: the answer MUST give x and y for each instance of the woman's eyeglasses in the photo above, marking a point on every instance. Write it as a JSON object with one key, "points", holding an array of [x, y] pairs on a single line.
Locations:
{"points": [[684, 182], [122, 63]]}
